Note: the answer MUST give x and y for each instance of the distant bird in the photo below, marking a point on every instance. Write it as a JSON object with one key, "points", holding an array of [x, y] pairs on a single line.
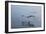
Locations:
{"points": [[30, 16]]}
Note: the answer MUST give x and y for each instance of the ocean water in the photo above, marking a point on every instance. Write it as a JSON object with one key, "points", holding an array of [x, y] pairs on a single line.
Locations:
{"points": [[23, 16]]}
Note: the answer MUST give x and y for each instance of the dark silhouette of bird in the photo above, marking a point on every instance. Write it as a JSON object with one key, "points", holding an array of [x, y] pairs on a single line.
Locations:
{"points": [[30, 16]]}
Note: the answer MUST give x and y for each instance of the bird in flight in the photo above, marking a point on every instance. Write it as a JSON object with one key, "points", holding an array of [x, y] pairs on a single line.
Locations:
{"points": [[30, 16]]}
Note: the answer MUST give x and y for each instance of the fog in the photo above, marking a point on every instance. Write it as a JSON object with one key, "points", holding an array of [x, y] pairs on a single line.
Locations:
{"points": [[19, 13]]}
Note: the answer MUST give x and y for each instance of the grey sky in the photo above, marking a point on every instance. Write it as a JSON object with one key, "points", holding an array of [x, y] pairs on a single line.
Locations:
{"points": [[17, 11]]}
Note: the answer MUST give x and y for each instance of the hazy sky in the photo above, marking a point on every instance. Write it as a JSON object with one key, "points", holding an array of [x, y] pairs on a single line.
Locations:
{"points": [[18, 10]]}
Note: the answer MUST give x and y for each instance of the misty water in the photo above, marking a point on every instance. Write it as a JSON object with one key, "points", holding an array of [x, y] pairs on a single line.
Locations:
{"points": [[19, 14]]}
